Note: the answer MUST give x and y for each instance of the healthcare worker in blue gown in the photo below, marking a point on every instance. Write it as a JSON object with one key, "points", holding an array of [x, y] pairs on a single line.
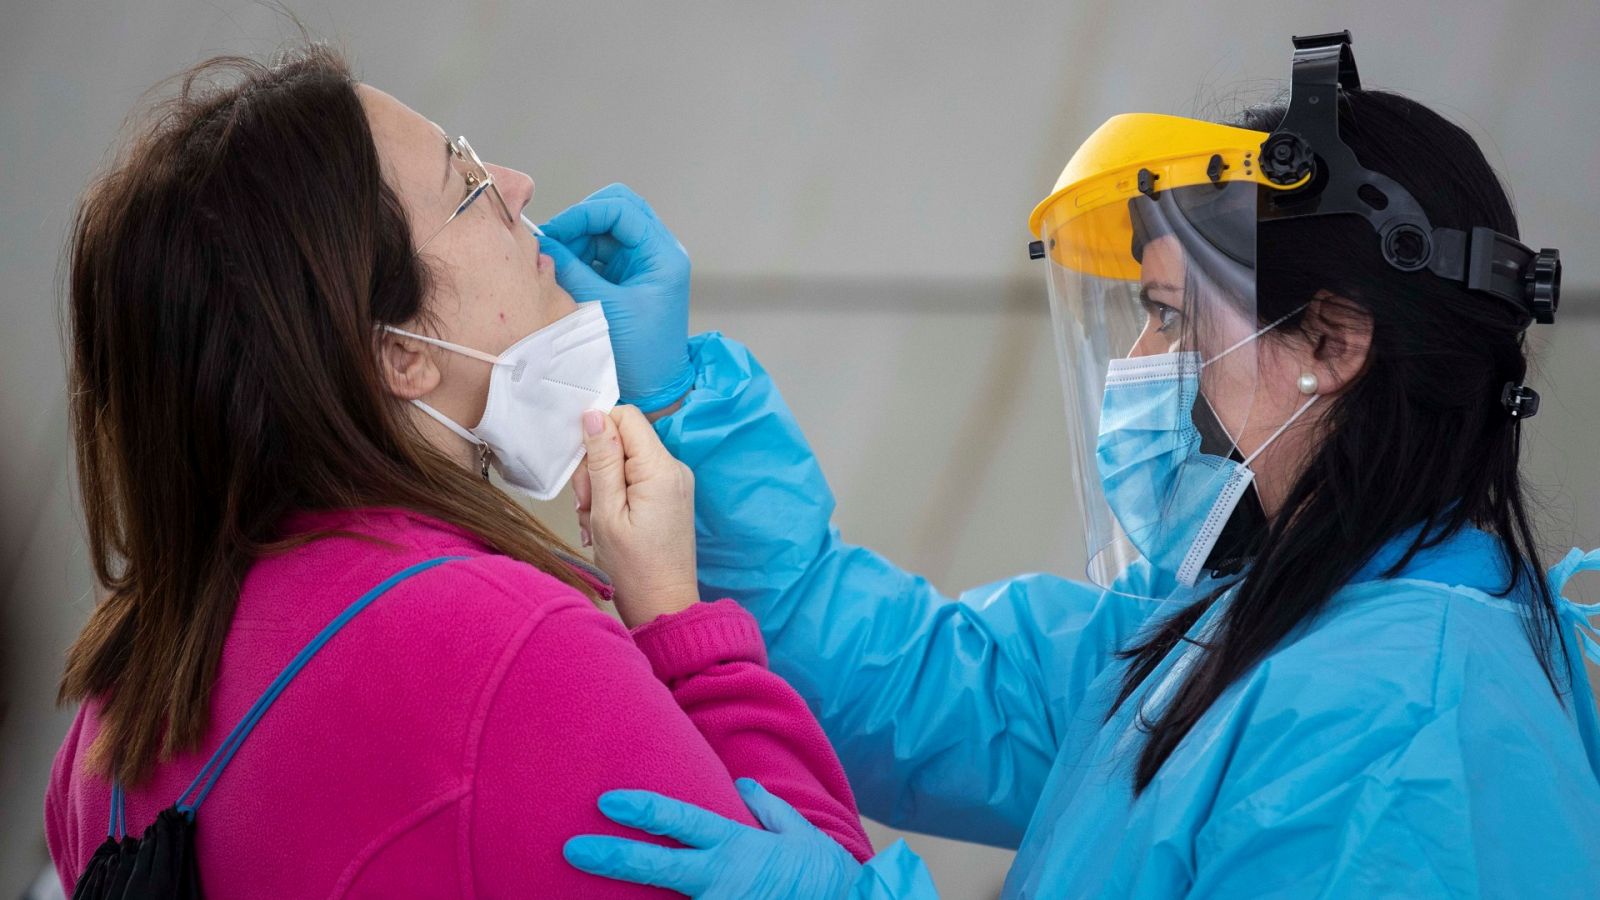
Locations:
{"points": [[1316, 654]]}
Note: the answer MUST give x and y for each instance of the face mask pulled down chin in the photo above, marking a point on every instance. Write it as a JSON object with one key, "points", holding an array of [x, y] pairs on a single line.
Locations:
{"points": [[538, 391]]}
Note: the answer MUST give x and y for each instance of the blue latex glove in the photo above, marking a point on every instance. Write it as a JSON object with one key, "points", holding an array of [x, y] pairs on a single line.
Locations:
{"points": [[612, 247], [724, 859]]}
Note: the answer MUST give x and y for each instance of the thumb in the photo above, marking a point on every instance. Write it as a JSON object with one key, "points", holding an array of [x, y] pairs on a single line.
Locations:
{"points": [[770, 810], [608, 487], [576, 278], [639, 440]]}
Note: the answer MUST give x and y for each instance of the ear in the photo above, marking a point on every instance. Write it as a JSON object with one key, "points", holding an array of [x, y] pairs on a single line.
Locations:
{"points": [[1339, 332], [408, 368]]}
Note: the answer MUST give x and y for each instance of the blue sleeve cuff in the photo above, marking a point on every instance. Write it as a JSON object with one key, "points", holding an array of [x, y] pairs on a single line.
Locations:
{"points": [[668, 395], [895, 874], [719, 370]]}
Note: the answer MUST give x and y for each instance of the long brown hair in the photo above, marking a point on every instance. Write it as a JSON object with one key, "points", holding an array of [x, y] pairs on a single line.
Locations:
{"points": [[225, 279]]}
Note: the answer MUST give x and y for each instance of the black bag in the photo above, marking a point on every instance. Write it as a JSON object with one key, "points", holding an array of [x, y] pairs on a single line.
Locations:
{"points": [[161, 865]]}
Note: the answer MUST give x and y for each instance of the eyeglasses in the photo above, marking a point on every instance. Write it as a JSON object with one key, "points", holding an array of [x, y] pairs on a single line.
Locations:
{"points": [[478, 181]]}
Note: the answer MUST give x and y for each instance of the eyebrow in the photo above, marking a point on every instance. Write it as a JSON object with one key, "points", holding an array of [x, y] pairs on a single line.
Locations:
{"points": [[449, 169], [1159, 286]]}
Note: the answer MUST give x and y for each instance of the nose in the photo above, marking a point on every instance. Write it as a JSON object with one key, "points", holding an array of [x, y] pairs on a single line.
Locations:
{"points": [[516, 187], [1150, 343]]}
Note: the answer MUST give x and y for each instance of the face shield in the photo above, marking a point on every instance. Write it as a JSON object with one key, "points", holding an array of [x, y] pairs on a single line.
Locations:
{"points": [[1150, 238]]}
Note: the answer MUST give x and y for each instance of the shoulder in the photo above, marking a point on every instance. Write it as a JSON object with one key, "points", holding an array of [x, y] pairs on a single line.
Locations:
{"points": [[1388, 665], [362, 550], [1411, 715], [473, 604], [1408, 641], [440, 638]]}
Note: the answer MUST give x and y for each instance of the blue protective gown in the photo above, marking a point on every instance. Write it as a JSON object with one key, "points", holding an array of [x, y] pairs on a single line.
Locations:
{"points": [[1406, 743]]}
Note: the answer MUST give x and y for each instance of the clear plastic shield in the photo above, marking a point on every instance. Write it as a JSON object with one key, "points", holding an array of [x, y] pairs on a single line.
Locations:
{"points": [[1153, 302]]}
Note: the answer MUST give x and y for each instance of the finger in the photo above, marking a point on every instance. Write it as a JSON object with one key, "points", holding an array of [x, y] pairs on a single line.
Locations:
{"points": [[581, 490], [770, 810], [573, 274], [639, 439], [638, 862], [601, 254], [582, 246], [659, 814], [581, 497], [594, 251], [608, 215], [622, 191], [608, 492], [603, 249]]}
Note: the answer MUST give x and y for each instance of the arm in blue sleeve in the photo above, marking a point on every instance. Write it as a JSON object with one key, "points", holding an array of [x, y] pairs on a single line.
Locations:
{"points": [[947, 713]]}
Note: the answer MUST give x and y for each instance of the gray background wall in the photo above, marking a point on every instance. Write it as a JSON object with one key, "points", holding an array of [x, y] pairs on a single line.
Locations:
{"points": [[853, 181]]}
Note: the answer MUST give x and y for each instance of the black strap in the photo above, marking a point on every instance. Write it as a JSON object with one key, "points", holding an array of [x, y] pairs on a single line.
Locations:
{"points": [[1306, 146]]}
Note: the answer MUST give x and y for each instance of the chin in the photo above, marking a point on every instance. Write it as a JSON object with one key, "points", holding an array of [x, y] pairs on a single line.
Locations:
{"points": [[555, 298]]}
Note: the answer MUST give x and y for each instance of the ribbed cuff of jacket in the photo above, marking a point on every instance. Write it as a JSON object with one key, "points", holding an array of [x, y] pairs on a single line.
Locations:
{"points": [[689, 642]]}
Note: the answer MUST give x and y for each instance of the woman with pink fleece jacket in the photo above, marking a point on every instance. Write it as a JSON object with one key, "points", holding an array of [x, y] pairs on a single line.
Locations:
{"points": [[255, 454]]}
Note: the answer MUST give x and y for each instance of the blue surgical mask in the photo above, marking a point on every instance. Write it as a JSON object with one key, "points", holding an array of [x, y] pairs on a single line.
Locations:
{"points": [[1171, 500]]}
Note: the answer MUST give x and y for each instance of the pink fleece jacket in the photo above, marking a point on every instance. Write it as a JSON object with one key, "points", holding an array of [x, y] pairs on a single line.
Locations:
{"points": [[456, 733]]}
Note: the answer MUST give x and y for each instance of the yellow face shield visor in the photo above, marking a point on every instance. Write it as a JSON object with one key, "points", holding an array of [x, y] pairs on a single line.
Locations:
{"points": [[1085, 224]]}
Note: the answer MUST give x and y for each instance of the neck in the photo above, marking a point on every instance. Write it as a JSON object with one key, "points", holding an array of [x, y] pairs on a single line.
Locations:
{"points": [[1282, 454], [452, 445]]}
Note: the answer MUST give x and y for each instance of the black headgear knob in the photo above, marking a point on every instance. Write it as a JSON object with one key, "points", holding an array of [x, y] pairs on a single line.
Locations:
{"points": [[1407, 246], [1542, 281], [1286, 158]]}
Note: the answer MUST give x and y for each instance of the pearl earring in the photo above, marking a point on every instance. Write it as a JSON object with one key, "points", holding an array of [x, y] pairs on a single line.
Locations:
{"points": [[1307, 383]]}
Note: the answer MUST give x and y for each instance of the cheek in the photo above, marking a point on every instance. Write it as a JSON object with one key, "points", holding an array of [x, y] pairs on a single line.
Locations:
{"points": [[1261, 402], [1231, 396], [503, 290], [477, 394], [1151, 341], [498, 292], [1239, 388]]}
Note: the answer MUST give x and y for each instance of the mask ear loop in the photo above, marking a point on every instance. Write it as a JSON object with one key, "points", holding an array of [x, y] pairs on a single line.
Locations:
{"points": [[1240, 343], [1250, 337], [441, 418], [1281, 429], [457, 348], [483, 447]]}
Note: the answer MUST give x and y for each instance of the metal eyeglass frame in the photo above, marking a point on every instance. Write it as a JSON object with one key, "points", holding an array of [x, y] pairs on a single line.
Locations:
{"points": [[478, 181]]}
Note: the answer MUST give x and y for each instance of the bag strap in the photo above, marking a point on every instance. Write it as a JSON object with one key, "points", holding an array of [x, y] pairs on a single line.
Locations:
{"points": [[119, 812], [195, 794]]}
